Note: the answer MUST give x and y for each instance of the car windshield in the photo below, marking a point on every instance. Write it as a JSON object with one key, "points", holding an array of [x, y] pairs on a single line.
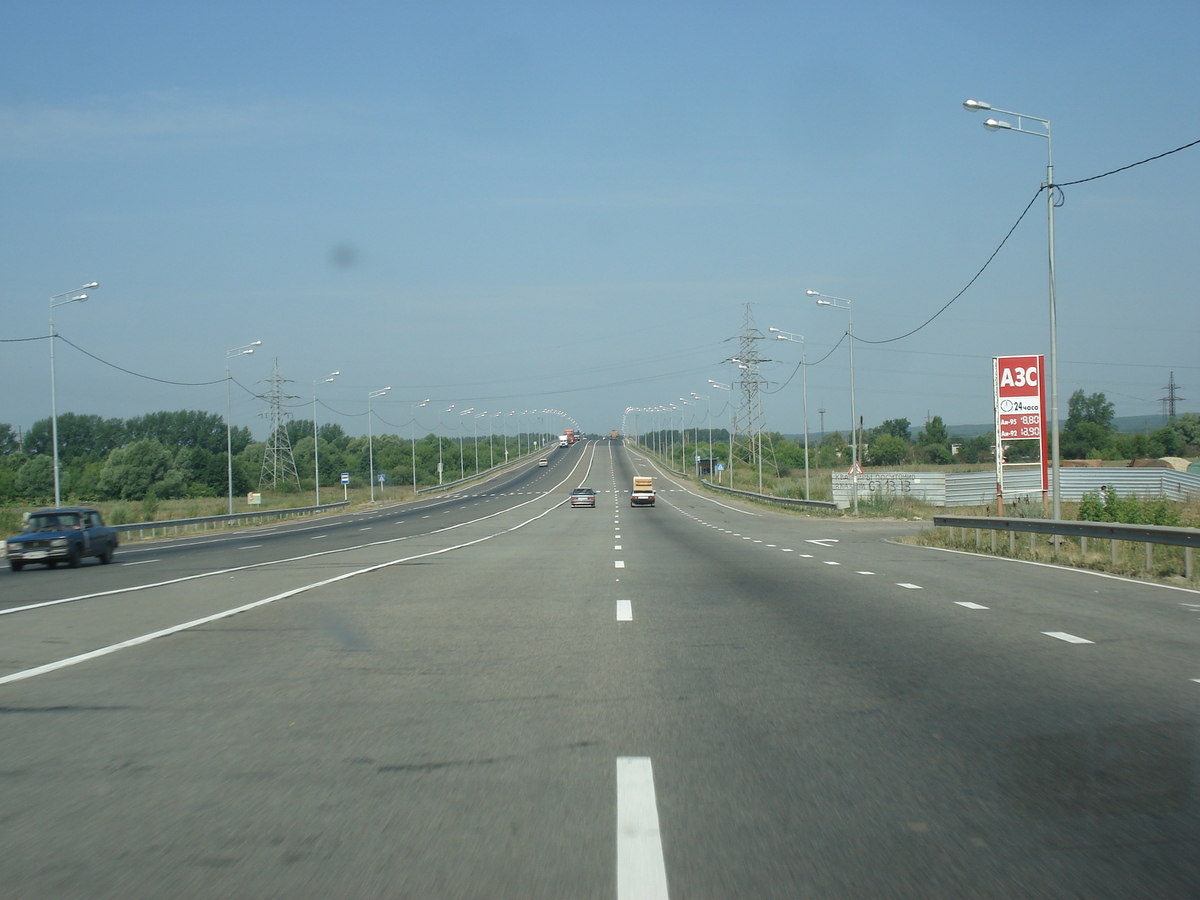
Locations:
{"points": [[52, 522]]}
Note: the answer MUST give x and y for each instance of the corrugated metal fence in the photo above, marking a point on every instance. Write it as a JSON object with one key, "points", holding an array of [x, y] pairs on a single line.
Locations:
{"points": [[979, 488]]}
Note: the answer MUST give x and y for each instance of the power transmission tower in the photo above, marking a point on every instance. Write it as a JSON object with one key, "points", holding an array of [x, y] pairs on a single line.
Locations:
{"points": [[1171, 399], [750, 444], [278, 463]]}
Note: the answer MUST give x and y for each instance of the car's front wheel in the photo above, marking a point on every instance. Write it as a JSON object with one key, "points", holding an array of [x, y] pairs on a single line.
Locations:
{"points": [[75, 558], [16, 565], [106, 555]]}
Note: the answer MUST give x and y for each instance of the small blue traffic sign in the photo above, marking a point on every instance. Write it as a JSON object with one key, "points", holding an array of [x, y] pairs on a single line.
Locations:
{"points": [[345, 478]]}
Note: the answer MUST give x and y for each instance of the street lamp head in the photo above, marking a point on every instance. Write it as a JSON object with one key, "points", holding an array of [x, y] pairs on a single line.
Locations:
{"points": [[823, 302], [813, 293], [773, 330], [334, 374], [90, 286], [79, 299], [997, 125], [975, 105]]}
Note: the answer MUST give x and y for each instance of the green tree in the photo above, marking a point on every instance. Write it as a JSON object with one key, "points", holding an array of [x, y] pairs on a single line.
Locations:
{"points": [[179, 428], [79, 437], [1088, 430], [896, 427], [35, 479], [887, 450], [1094, 408], [934, 432], [131, 471]]}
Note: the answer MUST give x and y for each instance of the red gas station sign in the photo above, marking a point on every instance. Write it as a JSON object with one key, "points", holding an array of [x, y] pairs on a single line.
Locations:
{"points": [[1020, 397]]}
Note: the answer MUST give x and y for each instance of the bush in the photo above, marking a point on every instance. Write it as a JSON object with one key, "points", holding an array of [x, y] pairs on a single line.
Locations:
{"points": [[1128, 510]]}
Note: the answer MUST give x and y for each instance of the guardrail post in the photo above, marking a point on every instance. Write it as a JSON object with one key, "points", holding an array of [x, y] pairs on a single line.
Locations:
{"points": [[1187, 562], [1149, 555], [1012, 543], [1083, 545], [993, 540], [978, 537], [1114, 551]]}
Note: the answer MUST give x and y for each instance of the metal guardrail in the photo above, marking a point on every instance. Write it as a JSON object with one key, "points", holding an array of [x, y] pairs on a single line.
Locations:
{"points": [[445, 486], [1188, 538], [787, 501], [203, 522]]}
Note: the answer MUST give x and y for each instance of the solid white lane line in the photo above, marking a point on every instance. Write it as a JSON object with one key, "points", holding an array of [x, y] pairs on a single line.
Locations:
{"points": [[1069, 638], [140, 562], [911, 587], [251, 547], [620, 563], [186, 626], [317, 537], [969, 605], [624, 610], [641, 872]]}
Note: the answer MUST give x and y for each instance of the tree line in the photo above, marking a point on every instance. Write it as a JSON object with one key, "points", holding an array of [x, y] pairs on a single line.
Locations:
{"points": [[1087, 433], [182, 454]]}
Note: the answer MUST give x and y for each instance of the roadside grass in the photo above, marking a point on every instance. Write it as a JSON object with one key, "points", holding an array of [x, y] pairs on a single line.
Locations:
{"points": [[1162, 564]]}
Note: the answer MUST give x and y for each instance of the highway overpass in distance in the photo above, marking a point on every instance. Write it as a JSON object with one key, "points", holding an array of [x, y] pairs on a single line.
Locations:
{"points": [[492, 694]]}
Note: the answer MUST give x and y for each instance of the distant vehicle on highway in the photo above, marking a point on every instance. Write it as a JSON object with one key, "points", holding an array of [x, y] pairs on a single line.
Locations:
{"points": [[543, 461], [643, 491], [583, 496], [51, 536]]}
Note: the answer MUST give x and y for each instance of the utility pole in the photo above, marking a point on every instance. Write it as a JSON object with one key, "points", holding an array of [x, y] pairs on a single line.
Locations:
{"points": [[278, 463], [750, 420], [1170, 400]]}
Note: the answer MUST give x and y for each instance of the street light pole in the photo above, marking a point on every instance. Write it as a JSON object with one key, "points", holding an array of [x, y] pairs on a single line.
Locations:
{"points": [[826, 300], [371, 437], [316, 452], [230, 354], [799, 339], [727, 387], [412, 414], [475, 423], [78, 298], [462, 465], [441, 463], [999, 125]]}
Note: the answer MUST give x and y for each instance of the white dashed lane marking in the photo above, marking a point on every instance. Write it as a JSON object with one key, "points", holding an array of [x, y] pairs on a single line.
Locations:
{"points": [[624, 610], [1069, 638], [830, 562], [620, 563], [969, 605], [911, 587], [641, 872]]}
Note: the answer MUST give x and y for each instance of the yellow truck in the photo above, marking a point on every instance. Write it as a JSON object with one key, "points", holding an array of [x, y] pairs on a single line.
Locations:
{"points": [[643, 491]]}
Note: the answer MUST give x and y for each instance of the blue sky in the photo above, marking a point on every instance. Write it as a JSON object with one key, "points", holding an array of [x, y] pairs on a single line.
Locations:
{"points": [[513, 206]]}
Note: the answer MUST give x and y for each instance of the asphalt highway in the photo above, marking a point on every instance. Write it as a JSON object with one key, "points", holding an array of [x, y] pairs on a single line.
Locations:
{"points": [[495, 695]]}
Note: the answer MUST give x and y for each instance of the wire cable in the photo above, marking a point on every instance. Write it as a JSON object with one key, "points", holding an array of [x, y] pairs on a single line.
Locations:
{"points": [[1059, 200], [1141, 162], [137, 374], [975, 278]]}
